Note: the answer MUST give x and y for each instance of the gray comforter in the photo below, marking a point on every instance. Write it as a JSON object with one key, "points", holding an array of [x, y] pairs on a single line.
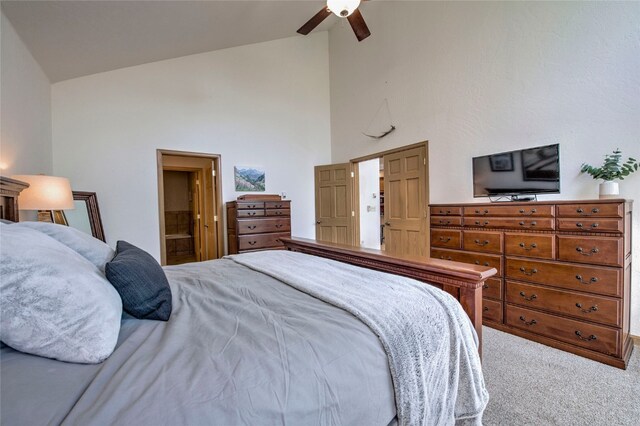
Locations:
{"points": [[240, 348]]}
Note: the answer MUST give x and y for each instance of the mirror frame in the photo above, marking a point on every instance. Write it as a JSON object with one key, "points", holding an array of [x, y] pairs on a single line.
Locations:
{"points": [[95, 221]]}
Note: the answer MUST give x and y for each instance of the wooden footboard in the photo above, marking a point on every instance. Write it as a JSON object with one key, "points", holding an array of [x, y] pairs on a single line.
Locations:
{"points": [[462, 281]]}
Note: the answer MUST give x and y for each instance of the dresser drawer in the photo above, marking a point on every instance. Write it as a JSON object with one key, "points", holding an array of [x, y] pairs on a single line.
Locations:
{"points": [[492, 261], [492, 288], [530, 245], [591, 336], [446, 221], [490, 242], [591, 225], [586, 306], [277, 204], [252, 242], [510, 223], [593, 279], [591, 210], [511, 211], [592, 250], [257, 226], [277, 212], [445, 211], [250, 205], [445, 238], [249, 213], [491, 311]]}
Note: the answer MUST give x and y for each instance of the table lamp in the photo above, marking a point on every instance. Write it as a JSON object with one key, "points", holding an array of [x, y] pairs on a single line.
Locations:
{"points": [[50, 195]]}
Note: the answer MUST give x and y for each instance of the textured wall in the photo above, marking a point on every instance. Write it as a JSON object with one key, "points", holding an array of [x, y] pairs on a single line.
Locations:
{"points": [[25, 98], [479, 78], [258, 105]]}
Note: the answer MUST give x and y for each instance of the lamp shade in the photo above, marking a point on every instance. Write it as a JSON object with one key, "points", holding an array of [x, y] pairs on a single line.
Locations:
{"points": [[45, 193]]}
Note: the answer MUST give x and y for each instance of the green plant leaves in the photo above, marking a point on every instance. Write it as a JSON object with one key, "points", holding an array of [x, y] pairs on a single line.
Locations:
{"points": [[612, 168]]}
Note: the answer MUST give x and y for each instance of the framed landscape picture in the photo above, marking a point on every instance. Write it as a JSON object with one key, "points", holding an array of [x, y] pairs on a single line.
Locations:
{"points": [[249, 179]]}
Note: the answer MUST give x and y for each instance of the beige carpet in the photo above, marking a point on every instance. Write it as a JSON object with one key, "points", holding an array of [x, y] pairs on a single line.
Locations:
{"points": [[533, 384]]}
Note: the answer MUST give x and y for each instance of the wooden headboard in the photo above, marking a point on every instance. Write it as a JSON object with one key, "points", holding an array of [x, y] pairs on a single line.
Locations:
{"points": [[9, 191]]}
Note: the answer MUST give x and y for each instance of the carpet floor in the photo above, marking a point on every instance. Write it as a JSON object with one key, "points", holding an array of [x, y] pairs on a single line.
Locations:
{"points": [[533, 384]]}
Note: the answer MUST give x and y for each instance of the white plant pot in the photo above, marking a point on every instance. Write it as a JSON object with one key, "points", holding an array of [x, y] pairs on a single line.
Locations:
{"points": [[609, 189]]}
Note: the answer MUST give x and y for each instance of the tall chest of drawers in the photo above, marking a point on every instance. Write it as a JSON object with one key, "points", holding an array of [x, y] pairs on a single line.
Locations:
{"points": [[564, 269], [257, 225]]}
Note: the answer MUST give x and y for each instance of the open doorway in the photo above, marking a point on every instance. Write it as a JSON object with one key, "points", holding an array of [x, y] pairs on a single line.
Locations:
{"points": [[189, 199], [371, 203]]}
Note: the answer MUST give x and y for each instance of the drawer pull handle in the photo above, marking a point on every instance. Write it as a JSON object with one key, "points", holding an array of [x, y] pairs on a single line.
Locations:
{"points": [[528, 272], [534, 223], [587, 253], [531, 247], [485, 223], [251, 226], [592, 280], [485, 309], [252, 243], [595, 210], [251, 213], [477, 262], [485, 286], [481, 243], [529, 299], [482, 212], [445, 222], [278, 206], [445, 212], [252, 206], [278, 213], [278, 225], [586, 339], [594, 308], [532, 322], [445, 239], [447, 258], [532, 211]]}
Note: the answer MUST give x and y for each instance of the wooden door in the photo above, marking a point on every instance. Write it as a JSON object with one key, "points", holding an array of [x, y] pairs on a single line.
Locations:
{"points": [[196, 199], [210, 234], [334, 203], [405, 197]]}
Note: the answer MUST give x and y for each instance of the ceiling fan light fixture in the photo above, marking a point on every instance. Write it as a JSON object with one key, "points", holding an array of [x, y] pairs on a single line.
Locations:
{"points": [[343, 8]]}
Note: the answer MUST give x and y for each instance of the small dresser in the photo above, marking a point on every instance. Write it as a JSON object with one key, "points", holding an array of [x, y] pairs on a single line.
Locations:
{"points": [[257, 224], [564, 269]]}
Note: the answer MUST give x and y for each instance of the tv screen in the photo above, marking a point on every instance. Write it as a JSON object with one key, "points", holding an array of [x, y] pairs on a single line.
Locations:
{"points": [[526, 171]]}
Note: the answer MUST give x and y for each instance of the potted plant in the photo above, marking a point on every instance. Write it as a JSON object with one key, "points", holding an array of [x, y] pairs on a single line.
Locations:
{"points": [[612, 169]]}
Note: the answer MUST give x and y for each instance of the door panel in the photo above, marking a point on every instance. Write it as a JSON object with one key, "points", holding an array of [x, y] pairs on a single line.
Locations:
{"points": [[405, 181], [211, 246], [334, 222]]}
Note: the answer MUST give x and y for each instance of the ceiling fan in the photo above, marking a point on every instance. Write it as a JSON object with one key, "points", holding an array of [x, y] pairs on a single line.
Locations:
{"points": [[343, 9]]}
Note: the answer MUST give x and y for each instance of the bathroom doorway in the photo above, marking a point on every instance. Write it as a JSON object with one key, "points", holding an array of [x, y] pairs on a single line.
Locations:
{"points": [[190, 206]]}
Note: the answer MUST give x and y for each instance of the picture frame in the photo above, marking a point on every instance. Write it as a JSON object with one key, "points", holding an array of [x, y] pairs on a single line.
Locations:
{"points": [[501, 162], [249, 179]]}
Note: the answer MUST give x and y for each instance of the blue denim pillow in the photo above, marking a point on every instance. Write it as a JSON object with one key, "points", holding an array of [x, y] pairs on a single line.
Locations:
{"points": [[141, 283]]}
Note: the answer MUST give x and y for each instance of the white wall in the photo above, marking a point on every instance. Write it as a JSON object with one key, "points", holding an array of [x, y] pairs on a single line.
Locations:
{"points": [[485, 77], [25, 108], [369, 193], [259, 105]]}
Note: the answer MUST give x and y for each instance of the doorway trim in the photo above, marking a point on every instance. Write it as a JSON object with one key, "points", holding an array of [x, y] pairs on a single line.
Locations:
{"points": [[217, 196], [356, 187]]}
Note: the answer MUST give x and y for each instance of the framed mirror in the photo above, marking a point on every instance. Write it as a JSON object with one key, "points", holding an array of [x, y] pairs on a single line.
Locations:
{"points": [[86, 215]]}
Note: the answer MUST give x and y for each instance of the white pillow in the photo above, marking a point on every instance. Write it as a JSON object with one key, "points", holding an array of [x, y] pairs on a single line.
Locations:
{"points": [[89, 247], [53, 302]]}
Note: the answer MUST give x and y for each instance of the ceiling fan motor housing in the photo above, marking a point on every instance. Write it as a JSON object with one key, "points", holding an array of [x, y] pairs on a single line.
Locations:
{"points": [[343, 8]]}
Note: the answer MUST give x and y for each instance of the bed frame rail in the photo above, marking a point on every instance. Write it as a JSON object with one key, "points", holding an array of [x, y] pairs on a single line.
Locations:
{"points": [[461, 280]]}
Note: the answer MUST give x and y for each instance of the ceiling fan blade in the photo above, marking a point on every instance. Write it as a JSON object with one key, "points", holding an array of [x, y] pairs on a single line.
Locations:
{"points": [[315, 21], [359, 26]]}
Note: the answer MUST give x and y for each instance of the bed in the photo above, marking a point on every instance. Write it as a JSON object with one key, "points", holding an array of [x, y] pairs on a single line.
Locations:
{"points": [[272, 338]]}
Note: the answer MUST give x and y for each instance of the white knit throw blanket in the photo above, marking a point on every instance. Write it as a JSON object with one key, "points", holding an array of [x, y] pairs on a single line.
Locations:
{"points": [[429, 340]]}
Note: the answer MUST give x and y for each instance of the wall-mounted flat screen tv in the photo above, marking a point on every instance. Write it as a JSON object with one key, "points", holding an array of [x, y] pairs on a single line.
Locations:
{"points": [[526, 171]]}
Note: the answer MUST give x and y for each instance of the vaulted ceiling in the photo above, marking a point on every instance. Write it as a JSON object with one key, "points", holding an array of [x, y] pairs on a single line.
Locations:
{"points": [[75, 38]]}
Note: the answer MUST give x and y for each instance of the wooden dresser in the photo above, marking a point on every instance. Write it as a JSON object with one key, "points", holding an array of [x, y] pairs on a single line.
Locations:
{"points": [[564, 269], [257, 224]]}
